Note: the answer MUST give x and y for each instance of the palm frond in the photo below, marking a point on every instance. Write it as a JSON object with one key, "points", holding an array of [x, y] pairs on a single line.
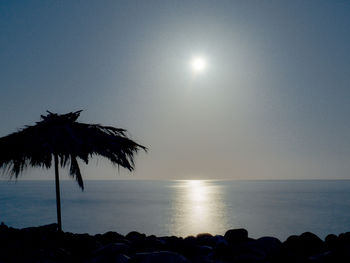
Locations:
{"points": [[75, 172], [63, 135]]}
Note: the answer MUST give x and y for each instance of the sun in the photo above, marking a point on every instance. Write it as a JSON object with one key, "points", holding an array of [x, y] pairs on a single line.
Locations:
{"points": [[198, 64]]}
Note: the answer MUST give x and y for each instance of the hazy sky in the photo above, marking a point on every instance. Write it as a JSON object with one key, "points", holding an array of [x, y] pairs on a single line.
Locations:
{"points": [[273, 102]]}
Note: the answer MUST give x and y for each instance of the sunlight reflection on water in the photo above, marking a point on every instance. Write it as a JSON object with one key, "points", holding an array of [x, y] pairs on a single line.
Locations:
{"points": [[198, 208], [182, 208]]}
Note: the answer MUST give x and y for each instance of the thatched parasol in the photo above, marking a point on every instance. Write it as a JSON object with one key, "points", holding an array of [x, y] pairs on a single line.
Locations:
{"points": [[62, 139]]}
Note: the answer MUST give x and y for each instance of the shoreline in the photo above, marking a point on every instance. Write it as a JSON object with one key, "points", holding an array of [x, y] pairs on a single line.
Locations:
{"points": [[46, 244]]}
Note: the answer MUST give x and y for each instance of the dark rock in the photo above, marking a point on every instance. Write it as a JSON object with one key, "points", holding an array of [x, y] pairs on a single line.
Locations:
{"points": [[219, 241], [270, 245], [42, 229], [81, 246], [114, 249], [172, 243], [249, 252], [221, 247], [188, 247], [119, 258], [344, 238], [190, 242], [34, 236], [3, 226], [291, 249], [155, 244], [236, 235], [201, 254], [204, 235], [138, 241], [249, 258], [204, 250], [303, 246], [45, 255], [205, 239], [263, 249], [159, 257], [292, 241], [132, 236], [331, 241], [46, 244], [312, 243], [322, 258], [110, 237]]}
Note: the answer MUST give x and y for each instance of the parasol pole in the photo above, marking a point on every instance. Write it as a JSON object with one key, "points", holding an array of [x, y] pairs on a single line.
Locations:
{"points": [[58, 198]]}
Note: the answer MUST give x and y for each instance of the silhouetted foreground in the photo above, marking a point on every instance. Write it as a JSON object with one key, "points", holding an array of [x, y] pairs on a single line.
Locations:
{"points": [[46, 244], [60, 139]]}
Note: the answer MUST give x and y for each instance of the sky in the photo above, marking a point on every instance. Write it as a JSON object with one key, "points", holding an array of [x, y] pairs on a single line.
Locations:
{"points": [[272, 103]]}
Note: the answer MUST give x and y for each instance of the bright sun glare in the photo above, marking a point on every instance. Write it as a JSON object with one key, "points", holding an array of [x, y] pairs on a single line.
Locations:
{"points": [[198, 64]]}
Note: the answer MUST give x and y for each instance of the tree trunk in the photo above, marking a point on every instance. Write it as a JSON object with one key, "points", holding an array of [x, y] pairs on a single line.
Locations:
{"points": [[58, 198]]}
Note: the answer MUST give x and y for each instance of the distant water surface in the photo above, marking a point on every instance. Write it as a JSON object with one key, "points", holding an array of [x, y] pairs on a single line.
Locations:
{"points": [[188, 207]]}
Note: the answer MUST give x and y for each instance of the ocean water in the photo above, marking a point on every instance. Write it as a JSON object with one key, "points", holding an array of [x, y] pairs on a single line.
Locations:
{"points": [[188, 207]]}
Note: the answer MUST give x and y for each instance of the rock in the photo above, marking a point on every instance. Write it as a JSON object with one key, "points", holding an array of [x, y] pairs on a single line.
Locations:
{"points": [[219, 240], [204, 235], [43, 229], [303, 246], [263, 249], [322, 258], [331, 241], [234, 236], [3, 226], [200, 254], [109, 259], [32, 236], [138, 241], [172, 243], [79, 245], [221, 247], [110, 237], [248, 252], [121, 259], [132, 236], [291, 241], [291, 249], [205, 239], [249, 258], [155, 244], [160, 257], [344, 238], [114, 249], [270, 245], [48, 255], [204, 250], [46, 244], [311, 243], [189, 242], [188, 247]]}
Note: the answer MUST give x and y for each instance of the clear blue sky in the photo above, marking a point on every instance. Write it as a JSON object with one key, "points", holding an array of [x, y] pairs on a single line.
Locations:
{"points": [[273, 103]]}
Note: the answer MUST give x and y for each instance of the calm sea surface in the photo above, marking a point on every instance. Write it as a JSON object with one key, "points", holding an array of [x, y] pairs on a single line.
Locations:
{"points": [[277, 208]]}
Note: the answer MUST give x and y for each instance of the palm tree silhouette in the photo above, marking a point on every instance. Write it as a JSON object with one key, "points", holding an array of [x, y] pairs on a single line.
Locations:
{"points": [[62, 139]]}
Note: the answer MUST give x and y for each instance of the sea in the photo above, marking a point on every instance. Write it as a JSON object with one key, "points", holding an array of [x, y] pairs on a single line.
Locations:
{"points": [[182, 207]]}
